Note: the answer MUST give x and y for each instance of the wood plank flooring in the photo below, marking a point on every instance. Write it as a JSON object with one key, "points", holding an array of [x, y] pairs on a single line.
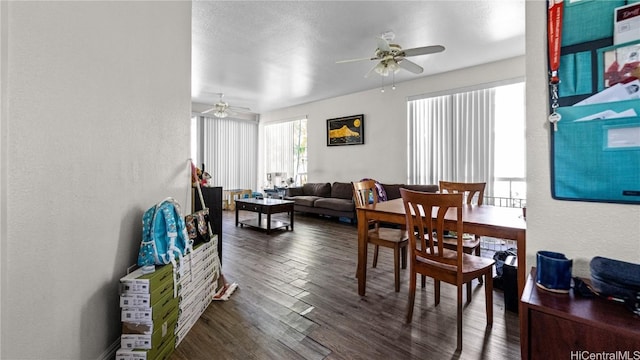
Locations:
{"points": [[297, 299]]}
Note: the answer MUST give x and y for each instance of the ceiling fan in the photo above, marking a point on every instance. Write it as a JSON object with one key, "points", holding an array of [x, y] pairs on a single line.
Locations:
{"points": [[222, 109], [391, 57]]}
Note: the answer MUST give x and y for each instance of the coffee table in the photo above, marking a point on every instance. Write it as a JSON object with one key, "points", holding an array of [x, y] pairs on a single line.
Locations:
{"points": [[265, 206]]}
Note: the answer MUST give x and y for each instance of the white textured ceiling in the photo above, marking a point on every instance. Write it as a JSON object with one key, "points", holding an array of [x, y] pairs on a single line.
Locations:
{"points": [[268, 55]]}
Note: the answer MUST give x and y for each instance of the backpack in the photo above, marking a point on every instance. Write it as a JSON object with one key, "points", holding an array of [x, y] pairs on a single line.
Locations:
{"points": [[164, 235], [618, 280]]}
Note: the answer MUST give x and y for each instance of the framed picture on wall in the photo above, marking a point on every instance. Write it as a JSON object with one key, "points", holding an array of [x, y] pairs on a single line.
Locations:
{"points": [[348, 130]]}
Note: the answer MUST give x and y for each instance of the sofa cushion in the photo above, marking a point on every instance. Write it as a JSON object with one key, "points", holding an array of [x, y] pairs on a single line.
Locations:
{"points": [[294, 191], [393, 190], [306, 200], [335, 204], [340, 190], [317, 189]]}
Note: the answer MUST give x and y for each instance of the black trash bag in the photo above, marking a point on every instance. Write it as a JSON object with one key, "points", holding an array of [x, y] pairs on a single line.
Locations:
{"points": [[500, 257]]}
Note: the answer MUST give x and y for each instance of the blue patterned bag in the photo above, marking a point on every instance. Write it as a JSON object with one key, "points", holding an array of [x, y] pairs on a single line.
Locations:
{"points": [[164, 235]]}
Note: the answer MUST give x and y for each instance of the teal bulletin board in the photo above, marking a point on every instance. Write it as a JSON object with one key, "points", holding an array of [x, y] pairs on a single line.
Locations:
{"points": [[595, 148]]}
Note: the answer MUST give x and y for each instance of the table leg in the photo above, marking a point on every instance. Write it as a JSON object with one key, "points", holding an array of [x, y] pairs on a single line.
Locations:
{"points": [[522, 261], [268, 222], [291, 218], [236, 217], [522, 278], [362, 251]]}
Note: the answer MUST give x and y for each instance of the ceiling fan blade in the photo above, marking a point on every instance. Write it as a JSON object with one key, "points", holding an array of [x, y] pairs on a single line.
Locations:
{"points": [[239, 108], [207, 111], [383, 44], [371, 71], [423, 50], [354, 60], [410, 66]]}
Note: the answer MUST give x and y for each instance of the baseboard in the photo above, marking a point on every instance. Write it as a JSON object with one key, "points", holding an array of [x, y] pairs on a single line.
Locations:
{"points": [[110, 353]]}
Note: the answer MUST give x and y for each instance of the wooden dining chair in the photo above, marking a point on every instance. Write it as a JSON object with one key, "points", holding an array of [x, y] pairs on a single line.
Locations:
{"points": [[473, 193], [431, 258], [364, 192]]}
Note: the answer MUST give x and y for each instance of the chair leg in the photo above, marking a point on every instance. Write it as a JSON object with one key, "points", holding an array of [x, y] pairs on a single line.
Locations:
{"points": [[488, 291], [469, 292], [375, 255], [459, 317], [478, 254], [412, 296], [404, 257], [396, 267], [436, 291]]}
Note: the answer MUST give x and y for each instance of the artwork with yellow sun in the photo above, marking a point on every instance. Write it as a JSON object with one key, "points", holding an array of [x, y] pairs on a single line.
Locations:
{"points": [[348, 130]]}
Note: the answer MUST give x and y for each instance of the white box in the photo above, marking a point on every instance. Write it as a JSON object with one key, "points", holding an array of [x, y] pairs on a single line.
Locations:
{"points": [[135, 300], [135, 341], [137, 315], [128, 354]]}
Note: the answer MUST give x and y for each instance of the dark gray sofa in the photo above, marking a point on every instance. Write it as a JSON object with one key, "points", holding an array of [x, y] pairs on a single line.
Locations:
{"points": [[337, 199], [324, 199]]}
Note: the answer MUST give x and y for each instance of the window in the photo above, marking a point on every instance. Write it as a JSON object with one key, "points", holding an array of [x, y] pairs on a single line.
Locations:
{"points": [[285, 149], [228, 148], [472, 136]]}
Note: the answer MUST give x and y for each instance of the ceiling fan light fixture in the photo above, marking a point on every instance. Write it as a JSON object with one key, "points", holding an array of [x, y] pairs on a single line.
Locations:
{"points": [[381, 69], [384, 68], [220, 114]]}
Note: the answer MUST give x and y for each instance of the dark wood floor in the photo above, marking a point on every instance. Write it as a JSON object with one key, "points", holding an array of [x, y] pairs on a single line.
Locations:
{"points": [[297, 299]]}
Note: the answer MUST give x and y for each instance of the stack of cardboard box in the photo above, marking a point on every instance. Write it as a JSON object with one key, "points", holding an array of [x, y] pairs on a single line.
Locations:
{"points": [[198, 282], [155, 318], [149, 313]]}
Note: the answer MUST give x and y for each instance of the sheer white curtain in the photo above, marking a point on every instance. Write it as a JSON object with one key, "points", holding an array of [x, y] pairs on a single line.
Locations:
{"points": [[451, 138], [285, 149], [230, 151], [279, 148]]}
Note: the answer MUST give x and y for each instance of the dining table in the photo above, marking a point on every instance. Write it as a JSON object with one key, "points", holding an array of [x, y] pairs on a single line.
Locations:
{"points": [[484, 220]]}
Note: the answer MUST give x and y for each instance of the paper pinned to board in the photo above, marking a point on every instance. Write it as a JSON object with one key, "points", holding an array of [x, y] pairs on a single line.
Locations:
{"points": [[617, 92], [626, 23], [609, 114]]}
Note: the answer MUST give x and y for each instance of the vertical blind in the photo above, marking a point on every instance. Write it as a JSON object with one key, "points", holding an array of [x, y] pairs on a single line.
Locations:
{"points": [[451, 138], [279, 148], [285, 149], [230, 152]]}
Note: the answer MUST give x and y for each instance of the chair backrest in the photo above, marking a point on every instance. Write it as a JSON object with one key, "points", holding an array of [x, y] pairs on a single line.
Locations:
{"points": [[472, 190], [362, 191], [420, 209]]}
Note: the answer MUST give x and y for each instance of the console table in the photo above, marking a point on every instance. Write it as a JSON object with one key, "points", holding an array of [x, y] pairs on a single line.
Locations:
{"points": [[567, 326]]}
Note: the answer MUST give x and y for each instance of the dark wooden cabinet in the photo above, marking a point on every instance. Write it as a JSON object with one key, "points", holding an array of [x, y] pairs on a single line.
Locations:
{"points": [[566, 326], [213, 201]]}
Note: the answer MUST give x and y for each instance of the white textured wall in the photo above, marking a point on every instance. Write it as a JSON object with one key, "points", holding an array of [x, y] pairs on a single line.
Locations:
{"points": [[580, 230], [95, 130], [384, 153]]}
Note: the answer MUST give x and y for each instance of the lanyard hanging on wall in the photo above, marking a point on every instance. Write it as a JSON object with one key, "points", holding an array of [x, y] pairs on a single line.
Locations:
{"points": [[554, 33]]}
